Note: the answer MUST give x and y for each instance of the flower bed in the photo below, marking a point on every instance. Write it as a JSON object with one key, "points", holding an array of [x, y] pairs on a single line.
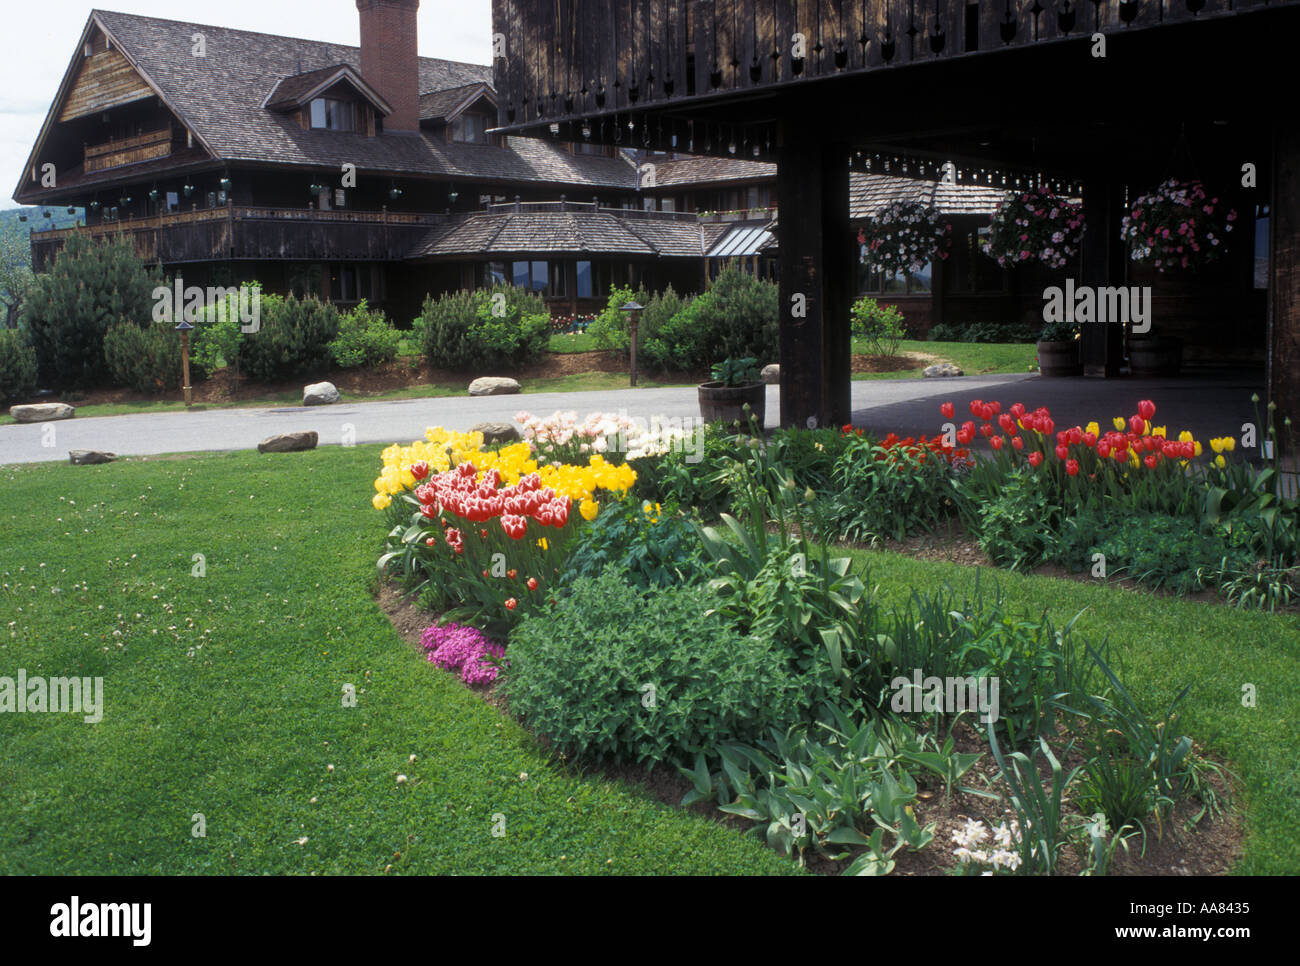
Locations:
{"points": [[641, 606]]}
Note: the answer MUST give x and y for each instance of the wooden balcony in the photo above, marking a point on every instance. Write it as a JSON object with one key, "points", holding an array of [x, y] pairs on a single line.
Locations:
{"points": [[565, 63], [148, 146], [246, 232]]}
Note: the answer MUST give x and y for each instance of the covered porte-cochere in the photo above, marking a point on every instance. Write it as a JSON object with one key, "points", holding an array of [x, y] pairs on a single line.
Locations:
{"points": [[1109, 98]]}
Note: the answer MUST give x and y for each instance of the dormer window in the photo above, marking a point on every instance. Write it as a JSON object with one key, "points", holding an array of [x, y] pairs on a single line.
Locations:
{"points": [[328, 114], [470, 128]]}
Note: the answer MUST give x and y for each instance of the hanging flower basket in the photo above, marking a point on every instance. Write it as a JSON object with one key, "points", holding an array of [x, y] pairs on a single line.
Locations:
{"points": [[1177, 226], [1035, 226], [904, 237]]}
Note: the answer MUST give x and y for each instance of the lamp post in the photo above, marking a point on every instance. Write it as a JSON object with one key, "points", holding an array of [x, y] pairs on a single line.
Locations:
{"points": [[184, 329], [633, 310]]}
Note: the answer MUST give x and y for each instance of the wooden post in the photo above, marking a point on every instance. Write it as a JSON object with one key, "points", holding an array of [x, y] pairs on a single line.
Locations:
{"points": [[1284, 277], [185, 367], [816, 257], [1104, 263]]}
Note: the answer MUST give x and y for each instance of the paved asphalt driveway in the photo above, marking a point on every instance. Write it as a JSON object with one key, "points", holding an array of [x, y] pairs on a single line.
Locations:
{"points": [[906, 406]]}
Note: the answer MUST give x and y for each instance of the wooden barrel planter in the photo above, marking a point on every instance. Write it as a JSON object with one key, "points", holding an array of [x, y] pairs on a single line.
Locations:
{"points": [[1155, 356], [725, 404], [1059, 359]]}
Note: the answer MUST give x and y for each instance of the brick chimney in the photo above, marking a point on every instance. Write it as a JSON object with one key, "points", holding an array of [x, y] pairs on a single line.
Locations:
{"points": [[389, 61]]}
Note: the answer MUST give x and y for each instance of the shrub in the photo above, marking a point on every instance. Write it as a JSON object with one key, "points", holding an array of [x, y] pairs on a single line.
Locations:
{"points": [[652, 546], [609, 329], [501, 327], [69, 309], [146, 358], [643, 676], [293, 340], [366, 338], [983, 332], [1167, 551], [17, 365], [880, 325], [217, 337], [738, 316]]}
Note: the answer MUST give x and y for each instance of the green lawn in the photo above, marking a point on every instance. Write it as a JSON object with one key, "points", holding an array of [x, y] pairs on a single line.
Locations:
{"points": [[223, 695], [573, 342], [1163, 644], [975, 359]]}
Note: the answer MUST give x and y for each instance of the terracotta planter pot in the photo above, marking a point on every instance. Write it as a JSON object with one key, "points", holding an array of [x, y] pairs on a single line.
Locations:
{"points": [[1059, 359], [719, 403], [1155, 356]]}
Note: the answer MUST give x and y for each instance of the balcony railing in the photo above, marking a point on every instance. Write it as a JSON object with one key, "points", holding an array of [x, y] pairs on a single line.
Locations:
{"points": [[140, 147], [253, 232]]}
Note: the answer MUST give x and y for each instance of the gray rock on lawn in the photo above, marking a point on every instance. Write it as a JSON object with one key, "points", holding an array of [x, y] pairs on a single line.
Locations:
{"points": [[771, 374], [941, 370], [42, 412], [321, 394], [493, 386], [497, 432], [90, 457], [288, 443]]}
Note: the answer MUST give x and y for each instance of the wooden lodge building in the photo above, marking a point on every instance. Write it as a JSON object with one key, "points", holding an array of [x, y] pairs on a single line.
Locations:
{"points": [[1105, 99], [221, 154]]}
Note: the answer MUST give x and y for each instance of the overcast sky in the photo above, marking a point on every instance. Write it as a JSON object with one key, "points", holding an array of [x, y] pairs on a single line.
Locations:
{"points": [[40, 38]]}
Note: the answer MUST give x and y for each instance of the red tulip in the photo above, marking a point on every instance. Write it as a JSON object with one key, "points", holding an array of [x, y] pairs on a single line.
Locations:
{"points": [[1090, 440], [1137, 425], [996, 442], [986, 412], [532, 583], [1017, 442], [1151, 460], [948, 410], [1017, 410], [1146, 408], [1076, 436], [511, 604], [1072, 467], [975, 406], [996, 407], [1103, 449], [1062, 451], [420, 470], [1035, 458]]}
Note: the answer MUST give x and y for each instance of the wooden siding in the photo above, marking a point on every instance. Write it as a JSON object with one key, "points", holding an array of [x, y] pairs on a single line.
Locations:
{"points": [[104, 80]]}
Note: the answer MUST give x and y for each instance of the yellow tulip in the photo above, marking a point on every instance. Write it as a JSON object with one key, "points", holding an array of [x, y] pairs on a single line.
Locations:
{"points": [[1220, 462], [1120, 423], [1199, 449], [589, 509], [1093, 428], [1216, 444], [1185, 436], [381, 501], [1229, 443]]}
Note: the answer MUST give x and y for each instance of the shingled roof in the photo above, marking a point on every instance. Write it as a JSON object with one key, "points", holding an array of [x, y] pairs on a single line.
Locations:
{"points": [[868, 193], [567, 233], [220, 98], [445, 105], [698, 171]]}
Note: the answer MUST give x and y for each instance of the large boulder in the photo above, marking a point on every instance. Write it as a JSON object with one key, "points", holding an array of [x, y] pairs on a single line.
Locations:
{"points": [[771, 374], [288, 443], [42, 412], [942, 370], [90, 457], [493, 386], [321, 394], [497, 432]]}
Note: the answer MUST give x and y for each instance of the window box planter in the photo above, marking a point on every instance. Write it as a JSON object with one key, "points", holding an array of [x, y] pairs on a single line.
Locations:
{"points": [[1059, 358], [719, 403]]}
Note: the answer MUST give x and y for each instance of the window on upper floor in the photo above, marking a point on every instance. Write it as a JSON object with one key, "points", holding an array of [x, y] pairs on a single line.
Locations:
{"points": [[470, 128], [329, 114]]}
